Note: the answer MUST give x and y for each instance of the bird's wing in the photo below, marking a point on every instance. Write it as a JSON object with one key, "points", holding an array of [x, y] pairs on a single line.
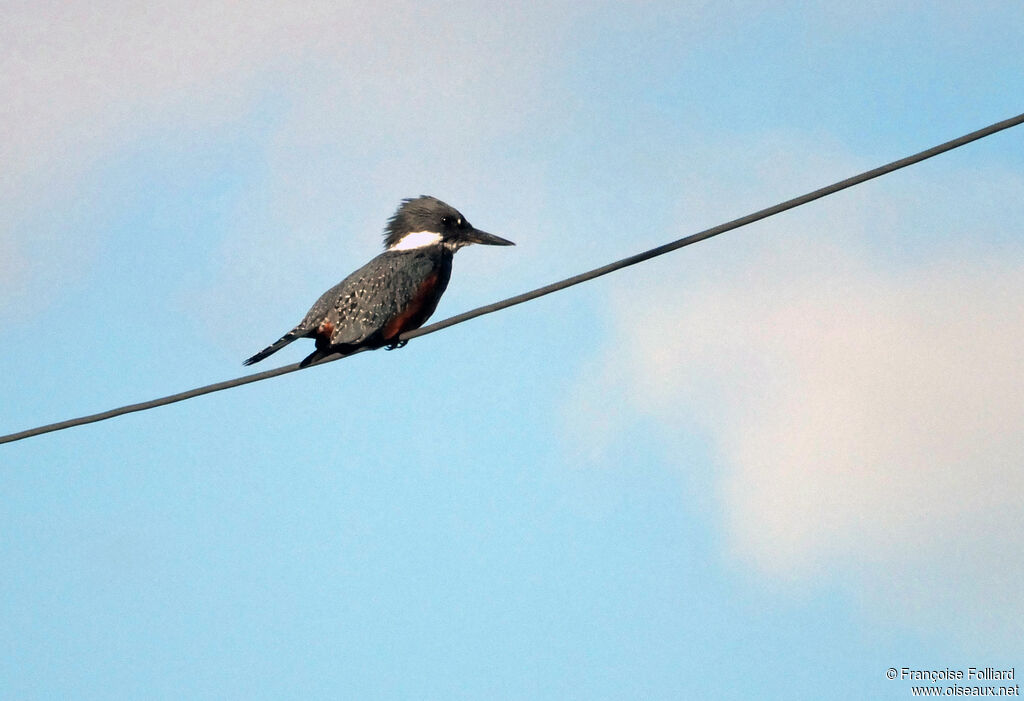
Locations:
{"points": [[366, 301]]}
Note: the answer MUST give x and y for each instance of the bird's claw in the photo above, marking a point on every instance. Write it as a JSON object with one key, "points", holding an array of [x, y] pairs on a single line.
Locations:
{"points": [[393, 346]]}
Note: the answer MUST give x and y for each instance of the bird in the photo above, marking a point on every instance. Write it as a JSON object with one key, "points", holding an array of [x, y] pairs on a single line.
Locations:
{"points": [[395, 292]]}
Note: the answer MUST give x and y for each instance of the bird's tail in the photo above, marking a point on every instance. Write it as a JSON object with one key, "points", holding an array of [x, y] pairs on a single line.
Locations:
{"points": [[342, 349], [313, 357], [274, 347]]}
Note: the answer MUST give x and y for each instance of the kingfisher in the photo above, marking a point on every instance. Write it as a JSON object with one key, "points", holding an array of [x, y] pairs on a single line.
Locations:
{"points": [[395, 292]]}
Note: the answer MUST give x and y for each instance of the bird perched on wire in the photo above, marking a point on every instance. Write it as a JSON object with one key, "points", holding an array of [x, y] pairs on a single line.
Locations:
{"points": [[396, 291]]}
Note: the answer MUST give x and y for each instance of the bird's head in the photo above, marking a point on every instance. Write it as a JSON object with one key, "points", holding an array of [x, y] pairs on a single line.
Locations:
{"points": [[427, 221]]}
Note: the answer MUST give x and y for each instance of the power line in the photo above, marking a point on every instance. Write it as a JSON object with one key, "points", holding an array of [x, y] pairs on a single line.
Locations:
{"points": [[547, 289]]}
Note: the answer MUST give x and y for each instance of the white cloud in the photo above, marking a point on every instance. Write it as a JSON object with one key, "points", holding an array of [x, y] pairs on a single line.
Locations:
{"points": [[419, 88], [862, 395]]}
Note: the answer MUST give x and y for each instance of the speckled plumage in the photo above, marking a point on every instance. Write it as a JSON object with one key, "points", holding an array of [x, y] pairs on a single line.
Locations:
{"points": [[395, 292]]}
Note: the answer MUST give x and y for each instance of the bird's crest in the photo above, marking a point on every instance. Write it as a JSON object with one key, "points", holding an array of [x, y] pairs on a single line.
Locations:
{"points": [[419, 214]]}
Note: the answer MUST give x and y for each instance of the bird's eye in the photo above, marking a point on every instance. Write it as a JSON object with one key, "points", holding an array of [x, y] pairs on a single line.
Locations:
{"points": [[447, 221]]}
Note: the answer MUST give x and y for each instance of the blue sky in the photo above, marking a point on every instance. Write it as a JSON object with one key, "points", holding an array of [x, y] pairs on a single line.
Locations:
{"points": [[772, 465]]}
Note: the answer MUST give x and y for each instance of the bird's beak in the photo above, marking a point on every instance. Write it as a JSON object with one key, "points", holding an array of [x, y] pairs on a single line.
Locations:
{"points": [[477, 236]]}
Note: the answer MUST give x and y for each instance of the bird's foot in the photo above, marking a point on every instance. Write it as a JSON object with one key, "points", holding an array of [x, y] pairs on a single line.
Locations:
{"points": [[393, 346]]}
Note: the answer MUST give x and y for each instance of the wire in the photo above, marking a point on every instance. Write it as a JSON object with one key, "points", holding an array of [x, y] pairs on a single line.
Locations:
{"points": [[547, 289]]}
